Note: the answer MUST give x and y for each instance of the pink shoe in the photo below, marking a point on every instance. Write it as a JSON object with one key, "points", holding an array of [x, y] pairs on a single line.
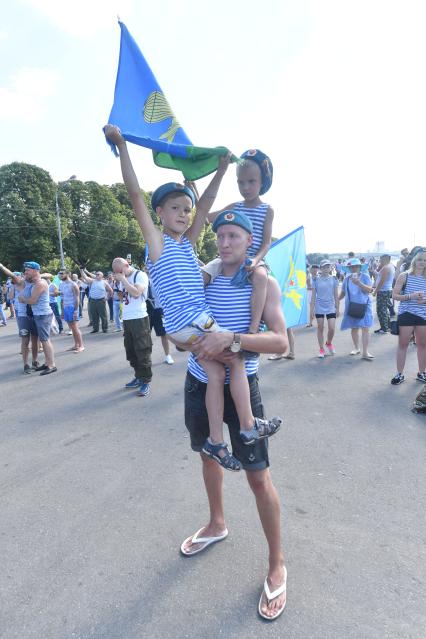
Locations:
{"points": [[321, 353], [331, 348]]}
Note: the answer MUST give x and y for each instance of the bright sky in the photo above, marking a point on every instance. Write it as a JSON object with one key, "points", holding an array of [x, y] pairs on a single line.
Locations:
{"points": [[333, 91]]}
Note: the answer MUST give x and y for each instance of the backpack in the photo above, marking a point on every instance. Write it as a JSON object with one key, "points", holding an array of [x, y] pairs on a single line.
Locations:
{"points": [[419, 405]]}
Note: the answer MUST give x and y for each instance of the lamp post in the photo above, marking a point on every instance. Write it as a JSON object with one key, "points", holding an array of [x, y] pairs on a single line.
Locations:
{"points": [[58, 219]]}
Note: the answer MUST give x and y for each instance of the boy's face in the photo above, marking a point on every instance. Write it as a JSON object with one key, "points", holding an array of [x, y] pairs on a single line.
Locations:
{"points": [[249, 180], [175, 213], [325, 270]]}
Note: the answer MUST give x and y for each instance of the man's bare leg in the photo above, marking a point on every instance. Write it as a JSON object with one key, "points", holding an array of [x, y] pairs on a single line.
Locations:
{"points": [[34, 347], [268, 506], [213, 481], [49, 356], [24, 349]]}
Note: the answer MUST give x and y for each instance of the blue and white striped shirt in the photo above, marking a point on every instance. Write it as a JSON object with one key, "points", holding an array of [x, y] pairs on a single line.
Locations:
{"points": [[413, 283], [257, 216], [178, 284], [231, 309]]}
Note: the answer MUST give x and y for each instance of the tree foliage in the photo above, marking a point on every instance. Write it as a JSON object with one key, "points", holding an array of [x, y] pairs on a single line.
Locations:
{"points": [[97, 221]]}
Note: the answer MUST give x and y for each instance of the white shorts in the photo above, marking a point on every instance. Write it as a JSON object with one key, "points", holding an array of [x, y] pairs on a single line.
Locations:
{"points": [[203, 323]]}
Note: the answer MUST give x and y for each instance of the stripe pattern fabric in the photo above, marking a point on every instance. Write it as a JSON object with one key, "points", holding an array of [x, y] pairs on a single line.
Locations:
{"points": [[413, 284], [257, 216], [231, 309], [178, 284]]}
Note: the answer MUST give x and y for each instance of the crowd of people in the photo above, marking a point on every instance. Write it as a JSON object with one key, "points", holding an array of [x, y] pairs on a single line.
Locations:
{"points": [[218, 313], [358, 283]]}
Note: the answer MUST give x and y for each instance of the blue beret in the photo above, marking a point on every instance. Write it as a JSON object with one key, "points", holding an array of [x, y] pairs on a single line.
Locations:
{"points": [[34, 265], [233, 217], [265, 166], [171, 187]]}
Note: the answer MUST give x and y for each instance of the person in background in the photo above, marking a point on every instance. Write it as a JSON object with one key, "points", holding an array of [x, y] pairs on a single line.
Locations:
{"points": [[325, 303], [53, 294], [383, 293], [155, 314], [99, 290], [357, 287], [70, 304], [410, 291], [110, 297], [3, 320]]}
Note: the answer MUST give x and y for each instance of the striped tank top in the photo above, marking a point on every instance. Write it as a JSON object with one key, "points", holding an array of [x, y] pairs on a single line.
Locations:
{"points": [[413, 283], [178, 283], [231, 309], [20, 307], [257, 216], [42, 306]]}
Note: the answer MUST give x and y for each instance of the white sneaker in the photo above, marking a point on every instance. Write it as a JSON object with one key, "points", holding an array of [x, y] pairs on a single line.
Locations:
{"points": [[69, 332], [169, 359], [117, 330]]}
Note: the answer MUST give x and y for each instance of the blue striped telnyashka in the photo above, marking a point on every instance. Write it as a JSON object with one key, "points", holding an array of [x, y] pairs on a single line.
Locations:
{"points": [[231, 309], [414, 283], [178, 284], [257, 216]]}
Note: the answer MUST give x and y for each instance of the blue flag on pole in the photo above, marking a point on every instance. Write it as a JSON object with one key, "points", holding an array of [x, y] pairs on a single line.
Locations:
{"points": [[287, 261], [145, 117]]}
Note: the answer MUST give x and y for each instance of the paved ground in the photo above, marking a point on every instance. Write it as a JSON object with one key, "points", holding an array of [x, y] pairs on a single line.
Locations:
{"points": [[98, 488]]}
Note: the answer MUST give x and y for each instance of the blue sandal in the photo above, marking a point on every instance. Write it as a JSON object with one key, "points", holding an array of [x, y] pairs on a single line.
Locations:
{"points": [[262, 429], [228, 461]]}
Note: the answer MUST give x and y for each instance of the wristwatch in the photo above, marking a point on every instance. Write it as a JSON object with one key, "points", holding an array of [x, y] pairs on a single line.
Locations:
{"points": [[236, 343]]}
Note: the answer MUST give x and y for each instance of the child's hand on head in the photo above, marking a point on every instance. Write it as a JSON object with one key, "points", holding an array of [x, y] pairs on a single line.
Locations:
{"points": [[113, 134]]}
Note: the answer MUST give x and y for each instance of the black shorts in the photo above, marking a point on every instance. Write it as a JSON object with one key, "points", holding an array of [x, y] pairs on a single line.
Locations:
{"points": [[328, 316], [410, 319], [253, 457], [156, 321]]}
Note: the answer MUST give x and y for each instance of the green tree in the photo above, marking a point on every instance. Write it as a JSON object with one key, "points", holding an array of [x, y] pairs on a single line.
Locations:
{"points": [[27, 214], [92, 223]]}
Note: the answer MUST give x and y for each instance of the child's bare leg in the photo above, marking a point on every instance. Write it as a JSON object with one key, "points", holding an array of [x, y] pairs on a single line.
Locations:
{"points": [[214, 398], [259, 280], [240, 393]]}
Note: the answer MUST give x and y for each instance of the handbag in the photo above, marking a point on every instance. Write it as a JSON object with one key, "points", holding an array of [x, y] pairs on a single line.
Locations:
{"points": [[355, 309], [394, 327]]}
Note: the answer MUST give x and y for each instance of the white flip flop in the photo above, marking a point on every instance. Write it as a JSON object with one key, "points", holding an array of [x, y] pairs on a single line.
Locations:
{"points": [[272, 595], [207, 541]]}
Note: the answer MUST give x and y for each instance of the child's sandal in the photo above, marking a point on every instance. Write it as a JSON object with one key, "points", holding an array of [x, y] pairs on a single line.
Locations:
{"points": [[262, 429], [228, 461]]}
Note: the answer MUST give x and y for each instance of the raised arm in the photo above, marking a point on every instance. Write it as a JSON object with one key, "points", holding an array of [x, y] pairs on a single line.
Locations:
{"points": [[151, 233], [13, 277], [206, 201], [86, 277]]}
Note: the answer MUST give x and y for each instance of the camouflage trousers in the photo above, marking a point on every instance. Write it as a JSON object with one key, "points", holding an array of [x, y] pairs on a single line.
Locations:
{"points": [[382, 306]]}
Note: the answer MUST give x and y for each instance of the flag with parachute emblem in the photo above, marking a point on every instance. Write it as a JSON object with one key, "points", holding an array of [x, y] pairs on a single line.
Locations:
{"points": [[144, 116], [287, 261]]}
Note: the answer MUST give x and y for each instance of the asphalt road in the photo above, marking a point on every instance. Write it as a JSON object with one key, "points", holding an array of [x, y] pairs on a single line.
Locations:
{"points": [[98, 489]]}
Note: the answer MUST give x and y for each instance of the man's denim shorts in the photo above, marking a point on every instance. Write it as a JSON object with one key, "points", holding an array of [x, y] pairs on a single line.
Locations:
{"points": [[43, 323], [253, 457]]}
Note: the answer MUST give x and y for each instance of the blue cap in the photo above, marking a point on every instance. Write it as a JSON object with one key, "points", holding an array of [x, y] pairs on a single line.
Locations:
{"points": [[265, 166], [171, 187], [354, 261], [34, 265], [233, 217]]}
